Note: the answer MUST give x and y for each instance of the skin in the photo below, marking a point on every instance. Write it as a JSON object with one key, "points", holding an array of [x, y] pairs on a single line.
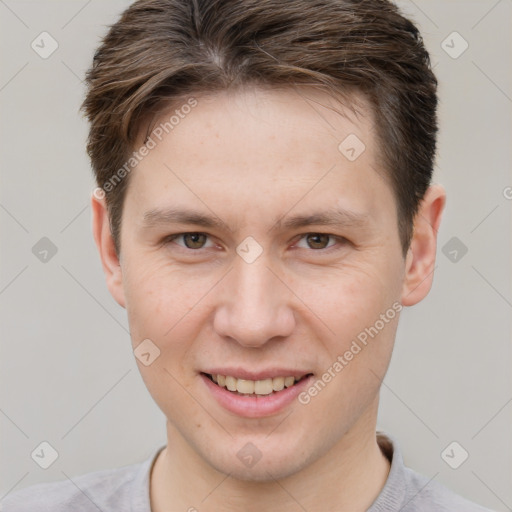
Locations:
{"points": [[254, 156]]}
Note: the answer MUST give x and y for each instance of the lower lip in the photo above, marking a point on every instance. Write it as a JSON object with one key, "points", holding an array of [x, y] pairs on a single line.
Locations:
{"points": [[258, 405]]}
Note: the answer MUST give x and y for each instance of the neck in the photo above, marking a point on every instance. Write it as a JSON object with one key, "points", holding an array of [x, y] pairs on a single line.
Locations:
{"points": [[349, 477]]}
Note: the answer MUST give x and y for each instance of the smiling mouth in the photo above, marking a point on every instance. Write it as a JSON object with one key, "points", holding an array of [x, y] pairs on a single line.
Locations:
{"points": [[254, 388]]}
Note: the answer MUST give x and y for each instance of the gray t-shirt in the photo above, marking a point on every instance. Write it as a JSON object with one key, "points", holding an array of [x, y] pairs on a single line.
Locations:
{"points": [[126, 489]]}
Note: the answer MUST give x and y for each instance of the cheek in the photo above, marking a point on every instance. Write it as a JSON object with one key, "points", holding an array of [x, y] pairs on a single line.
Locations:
{"points": [[348, 305], [165, 305], [349, 295], [162, 309], [149, 297], [364, 323]]}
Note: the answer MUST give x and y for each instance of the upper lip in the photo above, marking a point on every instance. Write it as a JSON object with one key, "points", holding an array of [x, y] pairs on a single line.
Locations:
{"points": [[241, 373]]}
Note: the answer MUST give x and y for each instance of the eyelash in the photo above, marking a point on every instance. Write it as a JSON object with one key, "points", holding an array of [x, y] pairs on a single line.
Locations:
{"points": [[339, 239]]}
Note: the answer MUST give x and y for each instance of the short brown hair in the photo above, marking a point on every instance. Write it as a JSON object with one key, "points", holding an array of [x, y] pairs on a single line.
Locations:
{"points": [[160, 51]]}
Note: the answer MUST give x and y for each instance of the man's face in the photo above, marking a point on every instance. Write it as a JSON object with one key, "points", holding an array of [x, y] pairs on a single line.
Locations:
{"points": [[254, 295]]}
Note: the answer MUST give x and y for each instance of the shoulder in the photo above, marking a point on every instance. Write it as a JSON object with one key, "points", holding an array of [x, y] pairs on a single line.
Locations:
{"points": [[425, 494], [409, 491], [105, 490]]}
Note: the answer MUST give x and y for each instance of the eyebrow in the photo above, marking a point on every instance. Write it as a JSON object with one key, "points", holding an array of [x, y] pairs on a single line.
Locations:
{"points": [[158, 217], [332, 217]]}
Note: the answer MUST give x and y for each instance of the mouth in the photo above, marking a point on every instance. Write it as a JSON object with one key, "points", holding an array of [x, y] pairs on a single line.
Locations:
{"points": [[255, 388]]}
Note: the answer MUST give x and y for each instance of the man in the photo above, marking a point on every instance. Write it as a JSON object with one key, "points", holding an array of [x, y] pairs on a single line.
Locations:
{"points": [[264, 212]]}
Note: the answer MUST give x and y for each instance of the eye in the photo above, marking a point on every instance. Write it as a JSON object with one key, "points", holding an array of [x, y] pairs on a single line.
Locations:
{"points": [[192, 240], [319, 241]]}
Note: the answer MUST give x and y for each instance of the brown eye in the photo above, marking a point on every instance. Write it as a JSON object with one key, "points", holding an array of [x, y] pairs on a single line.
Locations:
{"points": [[194, 240], [318, 240]]}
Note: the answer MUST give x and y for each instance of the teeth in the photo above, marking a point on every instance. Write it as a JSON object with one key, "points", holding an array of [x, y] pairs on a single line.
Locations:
{"points": [[288, 381], [231, 383], [263, 387], [250, 387], [245, 386], [278, 383]]}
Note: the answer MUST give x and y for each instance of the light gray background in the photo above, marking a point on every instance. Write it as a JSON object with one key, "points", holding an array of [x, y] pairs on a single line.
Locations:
{"points": [[68, 374]]}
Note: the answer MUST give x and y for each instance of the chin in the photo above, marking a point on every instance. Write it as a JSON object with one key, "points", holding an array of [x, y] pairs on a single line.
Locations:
{"points": [[252, 465]]}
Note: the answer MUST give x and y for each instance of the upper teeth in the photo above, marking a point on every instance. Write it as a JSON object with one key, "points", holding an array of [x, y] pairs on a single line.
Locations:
{"points": [[258, 387]]}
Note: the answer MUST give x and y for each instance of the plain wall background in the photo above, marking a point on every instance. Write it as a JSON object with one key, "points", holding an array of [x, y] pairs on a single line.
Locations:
{"points": [[67, 372]]}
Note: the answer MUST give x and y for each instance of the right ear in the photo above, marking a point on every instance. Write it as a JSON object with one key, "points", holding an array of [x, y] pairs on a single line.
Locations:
{"points": [[105, 244]]}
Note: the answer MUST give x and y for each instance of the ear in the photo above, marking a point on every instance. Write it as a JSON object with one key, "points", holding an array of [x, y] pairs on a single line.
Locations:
{"points": [[421, 256], [105, 244]]}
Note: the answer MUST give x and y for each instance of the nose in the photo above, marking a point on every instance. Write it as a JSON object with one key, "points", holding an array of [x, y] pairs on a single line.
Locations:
{"points": [[255, 305]]}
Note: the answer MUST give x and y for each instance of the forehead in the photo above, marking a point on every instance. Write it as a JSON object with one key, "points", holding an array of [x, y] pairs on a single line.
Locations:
{"points": [[268, 114], [259, 149]]}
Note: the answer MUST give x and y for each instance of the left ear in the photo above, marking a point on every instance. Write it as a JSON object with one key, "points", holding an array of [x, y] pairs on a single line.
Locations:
{"points": [[421, 257]]}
